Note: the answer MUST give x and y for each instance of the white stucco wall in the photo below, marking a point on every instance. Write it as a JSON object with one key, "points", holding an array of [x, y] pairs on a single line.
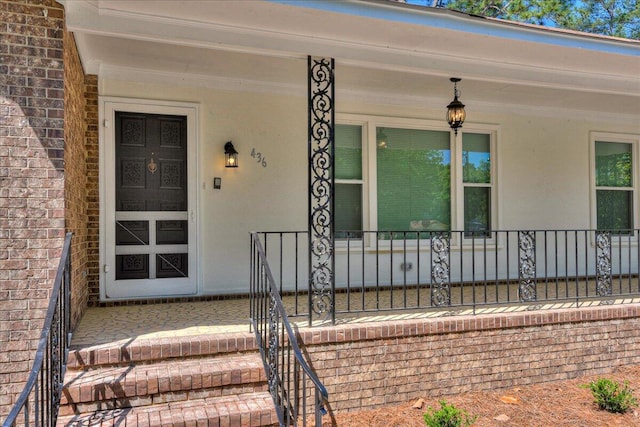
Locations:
{"points": [[543, 167]]}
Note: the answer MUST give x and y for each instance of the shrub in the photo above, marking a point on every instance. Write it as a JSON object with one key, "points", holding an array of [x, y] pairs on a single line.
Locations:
{"points": [[448, 416], [611, 396]]}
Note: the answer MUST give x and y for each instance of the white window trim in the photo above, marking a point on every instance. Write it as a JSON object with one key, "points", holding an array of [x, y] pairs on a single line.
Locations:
{"points": [[634, 140], [492, 131], [369, 124]]}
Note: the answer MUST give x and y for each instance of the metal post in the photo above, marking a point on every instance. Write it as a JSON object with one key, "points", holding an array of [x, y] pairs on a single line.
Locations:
{"points": [[527, 265], [603, 263], [321, 189]]}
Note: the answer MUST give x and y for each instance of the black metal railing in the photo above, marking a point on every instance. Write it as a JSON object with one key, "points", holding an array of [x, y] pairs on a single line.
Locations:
{"points": [[454, 271], [39, 401], [297, 392]]}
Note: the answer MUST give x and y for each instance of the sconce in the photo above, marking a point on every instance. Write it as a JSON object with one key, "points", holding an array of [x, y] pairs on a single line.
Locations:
{"points": [[455, 109], [381, 138], [230, 156]]}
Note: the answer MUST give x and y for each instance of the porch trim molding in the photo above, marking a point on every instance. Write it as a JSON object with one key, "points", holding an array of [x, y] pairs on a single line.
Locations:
{"points": [[162, 77]]}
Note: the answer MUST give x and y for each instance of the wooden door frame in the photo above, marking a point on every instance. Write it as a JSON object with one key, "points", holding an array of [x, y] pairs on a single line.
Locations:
{"points": [[107, 108]]}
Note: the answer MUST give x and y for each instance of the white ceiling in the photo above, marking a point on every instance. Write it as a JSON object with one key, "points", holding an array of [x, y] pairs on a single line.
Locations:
{"points": [[384, 52]]}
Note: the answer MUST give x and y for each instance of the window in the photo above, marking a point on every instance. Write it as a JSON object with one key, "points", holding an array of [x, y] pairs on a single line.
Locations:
{"points": [[477, 183], [615, 183], [412, 175], [413, 180], [348, 177]]}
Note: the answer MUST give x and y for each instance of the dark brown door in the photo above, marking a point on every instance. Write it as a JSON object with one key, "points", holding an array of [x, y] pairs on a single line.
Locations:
{"points": [[151, 230]]}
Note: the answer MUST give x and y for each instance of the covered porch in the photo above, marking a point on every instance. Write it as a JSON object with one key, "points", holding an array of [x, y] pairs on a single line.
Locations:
{"points": [[532, 246], [542, 106]]}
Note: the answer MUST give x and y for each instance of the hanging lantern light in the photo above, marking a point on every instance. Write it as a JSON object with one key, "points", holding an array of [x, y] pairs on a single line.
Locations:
{"points": [[455, 109]]}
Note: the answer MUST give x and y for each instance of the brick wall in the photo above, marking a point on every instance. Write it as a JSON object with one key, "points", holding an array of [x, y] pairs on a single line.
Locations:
{"points": [[42, 177], [92, 190], [75, 186], [394, 362], [31, 178]]}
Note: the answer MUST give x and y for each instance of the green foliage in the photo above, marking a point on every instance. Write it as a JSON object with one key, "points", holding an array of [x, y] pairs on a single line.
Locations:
{"points": [[448, 416], [611, 396], [619, 18]]}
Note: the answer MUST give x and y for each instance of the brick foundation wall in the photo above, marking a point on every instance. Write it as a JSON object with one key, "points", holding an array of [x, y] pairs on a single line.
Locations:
{"points": [[370, 365]]}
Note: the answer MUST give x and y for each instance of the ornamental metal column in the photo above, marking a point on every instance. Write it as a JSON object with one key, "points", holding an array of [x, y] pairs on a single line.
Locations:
{"points": [[321, 187], [527, 265], [440, 272], [604, 280]]}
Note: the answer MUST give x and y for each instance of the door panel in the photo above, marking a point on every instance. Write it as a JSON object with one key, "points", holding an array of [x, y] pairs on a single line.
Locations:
{"points": [[151, 162], [151, 246]]}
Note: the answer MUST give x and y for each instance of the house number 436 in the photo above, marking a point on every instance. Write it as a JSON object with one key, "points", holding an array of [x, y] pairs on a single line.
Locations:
{"points": [[260, 159]]}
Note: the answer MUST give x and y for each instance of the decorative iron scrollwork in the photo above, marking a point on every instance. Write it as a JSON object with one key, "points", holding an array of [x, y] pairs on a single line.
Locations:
{"points": [[603, 263], [440, 273], [56, 367], [272, 355], [321, 160], [527, 265]]}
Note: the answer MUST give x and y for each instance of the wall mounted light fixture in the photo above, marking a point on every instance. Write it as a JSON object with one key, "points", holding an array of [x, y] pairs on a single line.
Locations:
{"points": [[381, 138], [230, 156], [455, 109]]}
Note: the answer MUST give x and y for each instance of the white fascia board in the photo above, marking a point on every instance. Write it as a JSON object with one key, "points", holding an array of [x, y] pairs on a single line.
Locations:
{"points": [[458, 21]]}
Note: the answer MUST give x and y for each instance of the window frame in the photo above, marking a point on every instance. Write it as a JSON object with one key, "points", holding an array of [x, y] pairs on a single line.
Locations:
{"points": [[492, 131], [363, 181], [371, 123], [620, 138]]}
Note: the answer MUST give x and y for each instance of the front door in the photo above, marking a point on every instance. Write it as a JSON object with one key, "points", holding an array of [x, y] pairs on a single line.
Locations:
{"points": [[150, 226]]}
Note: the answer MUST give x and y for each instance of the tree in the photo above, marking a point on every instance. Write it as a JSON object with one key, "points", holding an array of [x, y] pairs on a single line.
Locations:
{"points": [[619, 18]]}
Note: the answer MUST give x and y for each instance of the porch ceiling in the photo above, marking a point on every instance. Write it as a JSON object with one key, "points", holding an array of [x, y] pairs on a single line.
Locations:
{"points": [[385, 51]]}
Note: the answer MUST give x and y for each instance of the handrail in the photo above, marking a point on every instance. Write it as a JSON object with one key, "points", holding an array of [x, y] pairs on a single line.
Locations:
{"points": [[279, 347], [51, 356]]}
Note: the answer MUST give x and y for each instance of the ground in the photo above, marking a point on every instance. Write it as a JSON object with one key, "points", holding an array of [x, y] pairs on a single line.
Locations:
{"points": [[558, 404]]}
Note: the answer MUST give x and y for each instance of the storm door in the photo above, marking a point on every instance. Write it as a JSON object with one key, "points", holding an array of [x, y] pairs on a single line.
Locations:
{"points": [[150, 233]]}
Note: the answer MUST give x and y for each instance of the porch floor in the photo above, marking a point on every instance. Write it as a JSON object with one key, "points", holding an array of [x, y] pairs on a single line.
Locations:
{"points": [[102, 325]]}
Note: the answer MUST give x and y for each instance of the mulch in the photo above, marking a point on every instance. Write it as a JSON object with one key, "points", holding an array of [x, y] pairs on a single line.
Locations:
{"points": [[558, 404]]}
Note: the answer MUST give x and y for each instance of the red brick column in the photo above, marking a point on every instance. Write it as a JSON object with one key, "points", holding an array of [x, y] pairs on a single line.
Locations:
{"points": [[75, 170], [34, 201], [92, 190]]}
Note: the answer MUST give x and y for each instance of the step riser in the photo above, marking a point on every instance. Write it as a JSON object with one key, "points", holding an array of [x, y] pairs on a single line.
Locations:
{"points": [[148, 351], [165, 397], [183, 376]]}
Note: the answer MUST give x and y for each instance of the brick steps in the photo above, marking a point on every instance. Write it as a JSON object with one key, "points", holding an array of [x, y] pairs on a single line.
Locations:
{"points": [[159, 382], [194, 380], [250, 410]]}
